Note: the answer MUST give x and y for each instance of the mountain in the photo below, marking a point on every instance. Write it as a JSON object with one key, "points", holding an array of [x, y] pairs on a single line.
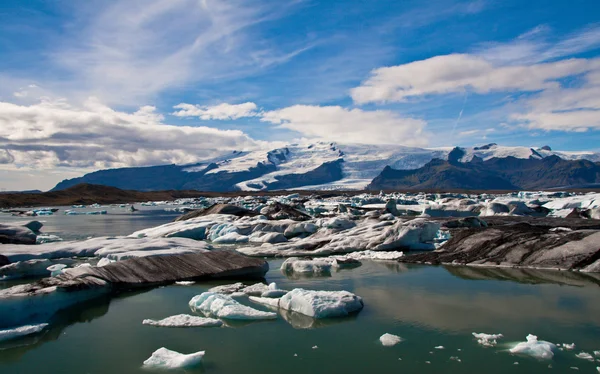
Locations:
{"points": [[507, 173], [316, 166]]}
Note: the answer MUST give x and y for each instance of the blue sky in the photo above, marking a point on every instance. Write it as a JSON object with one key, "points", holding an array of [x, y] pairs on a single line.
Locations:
{"points": [[86, 85]]}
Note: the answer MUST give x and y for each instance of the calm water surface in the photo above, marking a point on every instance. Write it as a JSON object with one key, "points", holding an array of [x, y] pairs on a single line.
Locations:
{"points": [[427, 306]]}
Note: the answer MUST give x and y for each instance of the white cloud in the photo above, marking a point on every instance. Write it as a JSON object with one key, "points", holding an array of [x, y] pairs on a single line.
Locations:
{"points": [[222, 111], [126, 52], [459, 72], [55, 134], [351, 125]]}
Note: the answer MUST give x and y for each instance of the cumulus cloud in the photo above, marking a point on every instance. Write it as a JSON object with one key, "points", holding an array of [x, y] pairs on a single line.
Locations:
{"points": [[457, 72], [222, 111], [352, 125], [56, 134]]}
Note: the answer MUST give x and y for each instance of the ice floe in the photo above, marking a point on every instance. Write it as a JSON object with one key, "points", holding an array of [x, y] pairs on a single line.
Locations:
{"points": [[18, 332], [487, 340], [536, 348], [184, 320], [321, 304], [389, 340], [585, 356], [164, 358], [224, 306]]}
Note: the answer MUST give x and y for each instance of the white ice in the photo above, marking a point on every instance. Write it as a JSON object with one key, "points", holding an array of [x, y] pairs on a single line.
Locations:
{"points": [[17, 332], [585, 356], [321, 304], [164, 358], [388, 340], [536, 348], [184, 320], [487, 340], [224, 306]]}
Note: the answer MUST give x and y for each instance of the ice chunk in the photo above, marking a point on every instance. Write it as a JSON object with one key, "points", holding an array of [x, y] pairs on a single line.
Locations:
{"points": [[536, 348], [487, 340], [17, 332], [321, 304], [439, 347], [372, 255], [597, 353], [56, 270], [569, 347], [184, 320], [388, 340], [314, 266], [164, 358], [185, 283], [268, 301], [228, 288], [104, 261], [273, 291], [256, 289], [224, 306], [25, 269], [585, 356]]}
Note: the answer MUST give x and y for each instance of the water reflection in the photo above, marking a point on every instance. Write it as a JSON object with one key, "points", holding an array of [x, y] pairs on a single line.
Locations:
{"points": [[526, 276]]}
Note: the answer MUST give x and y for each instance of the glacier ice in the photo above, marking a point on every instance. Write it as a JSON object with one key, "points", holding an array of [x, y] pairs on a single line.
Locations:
{"points": [[389, 340], [487, 340], [301, 265], [536, 348], [224, 306], [184, 320], [585, 356], [17, 332], [164, 358], [321, 304]]}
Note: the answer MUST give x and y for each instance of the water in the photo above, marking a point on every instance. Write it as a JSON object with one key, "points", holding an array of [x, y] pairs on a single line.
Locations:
{"points": [[427, 306]]}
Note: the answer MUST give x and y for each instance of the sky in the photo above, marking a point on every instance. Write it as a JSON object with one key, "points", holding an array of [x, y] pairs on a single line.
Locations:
{"points": [[96, 84]]}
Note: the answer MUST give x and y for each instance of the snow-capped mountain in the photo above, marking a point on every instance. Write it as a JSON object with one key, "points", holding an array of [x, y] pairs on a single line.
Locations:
{"points": [[319, 165]]}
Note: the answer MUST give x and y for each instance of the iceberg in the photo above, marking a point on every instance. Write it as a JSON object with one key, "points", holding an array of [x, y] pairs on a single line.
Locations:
{"points": [[372, 255], [389, 340], [487, 340], [314, 266], [164, 358], [17, 332], [224, 306], [536, 348], [184, 320], [321, 304], [585, 356], [56, 270]]}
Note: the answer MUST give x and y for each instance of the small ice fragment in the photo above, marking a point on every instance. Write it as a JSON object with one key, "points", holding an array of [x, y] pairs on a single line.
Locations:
{"points": [[515, 363], [399, 359], [487, 340], [574, 368], [459, 349], [295, 355], [534, 347], [184, 320], [439, 347], [428, 362], [315, 347], [597, 353], [224, 306], [455, 358], [598, 368], [167, 359], [569, 347], [185, 283], [585, 356], [18, 332], [56, 270], [389, 340]]}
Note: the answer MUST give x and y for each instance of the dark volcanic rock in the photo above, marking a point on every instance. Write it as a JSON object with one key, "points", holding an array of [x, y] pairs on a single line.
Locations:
{"points": [[519, 244], [219, 209]]}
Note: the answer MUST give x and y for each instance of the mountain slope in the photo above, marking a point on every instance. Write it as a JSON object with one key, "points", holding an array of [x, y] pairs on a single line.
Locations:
{"points": [[509, 173], [332, 166]]}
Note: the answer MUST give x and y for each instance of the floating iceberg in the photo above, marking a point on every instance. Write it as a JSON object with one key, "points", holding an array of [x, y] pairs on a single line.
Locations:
{"points": [[314, 266], [372, 255], [56, 270], [164, 358], [321, 304], [17, 332], [185, 283], [389, 340], [224, 306], [585, 356], [487, 340], [184, 320], [536, 348]]}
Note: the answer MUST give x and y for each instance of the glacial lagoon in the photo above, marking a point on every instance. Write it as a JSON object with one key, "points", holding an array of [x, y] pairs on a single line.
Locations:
{"points": [[428, 306]]}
